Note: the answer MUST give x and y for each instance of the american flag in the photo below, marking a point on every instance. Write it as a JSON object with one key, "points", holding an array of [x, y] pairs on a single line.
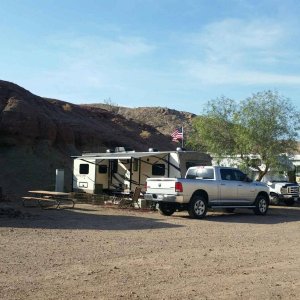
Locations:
{"points": [[177, 135]]}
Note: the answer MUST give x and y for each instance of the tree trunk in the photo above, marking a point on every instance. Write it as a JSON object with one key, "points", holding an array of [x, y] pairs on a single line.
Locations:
{"points": [[262, 173]]}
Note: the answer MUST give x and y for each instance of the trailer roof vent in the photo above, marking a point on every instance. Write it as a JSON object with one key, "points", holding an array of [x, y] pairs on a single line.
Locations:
{"points": [[124, 149], [180, 149], [152, 150]]}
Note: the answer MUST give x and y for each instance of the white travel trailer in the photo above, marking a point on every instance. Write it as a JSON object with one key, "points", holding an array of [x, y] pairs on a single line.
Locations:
{"points": [[125, 170]]}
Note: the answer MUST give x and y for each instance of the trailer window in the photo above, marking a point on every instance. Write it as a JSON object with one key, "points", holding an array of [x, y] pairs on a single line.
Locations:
{"points": [[102, 169], [135, 164], [114, 166], [84, 169], [158, 169]]}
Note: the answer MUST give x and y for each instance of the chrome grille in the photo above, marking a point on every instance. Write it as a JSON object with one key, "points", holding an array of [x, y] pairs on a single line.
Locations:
{"points": [[290, 190], [293, 190]]}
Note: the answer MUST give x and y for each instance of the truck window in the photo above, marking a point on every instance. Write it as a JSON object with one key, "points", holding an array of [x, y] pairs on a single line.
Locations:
{"points": [[239, 176], [232, 175], [200, 173], [84, 169], [227, 174], [158, 169], [297, 171]]}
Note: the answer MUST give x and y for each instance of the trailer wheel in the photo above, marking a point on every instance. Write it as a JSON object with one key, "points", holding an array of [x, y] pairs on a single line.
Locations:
{"points": [[166, 209], [197, 207], [261, 205]]}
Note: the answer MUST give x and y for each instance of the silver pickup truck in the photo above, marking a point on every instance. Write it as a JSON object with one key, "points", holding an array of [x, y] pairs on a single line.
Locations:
{"points": [[208, 187]]}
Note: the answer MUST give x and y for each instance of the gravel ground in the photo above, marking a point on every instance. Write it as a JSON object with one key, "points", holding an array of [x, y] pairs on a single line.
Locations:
{"points": [[95, 252]]}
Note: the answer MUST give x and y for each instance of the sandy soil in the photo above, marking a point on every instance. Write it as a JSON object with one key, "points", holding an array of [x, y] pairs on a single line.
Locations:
{"points": [[95, 252]]}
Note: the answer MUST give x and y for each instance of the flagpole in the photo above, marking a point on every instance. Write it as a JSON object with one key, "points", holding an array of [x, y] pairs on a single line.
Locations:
{"points": [[182, 137]]}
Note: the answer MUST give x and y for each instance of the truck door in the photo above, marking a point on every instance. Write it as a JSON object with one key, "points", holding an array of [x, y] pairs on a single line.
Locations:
{"points": [[234, 189], [228, 187], [245, 189]]}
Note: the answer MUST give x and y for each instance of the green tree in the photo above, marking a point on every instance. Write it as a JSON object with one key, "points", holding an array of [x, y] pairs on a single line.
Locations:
{"points": [[265, 125]]}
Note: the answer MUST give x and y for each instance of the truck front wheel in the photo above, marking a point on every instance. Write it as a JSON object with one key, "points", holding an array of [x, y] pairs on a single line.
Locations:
{"points": [[166, 209], [261, 205], [197, 207]]}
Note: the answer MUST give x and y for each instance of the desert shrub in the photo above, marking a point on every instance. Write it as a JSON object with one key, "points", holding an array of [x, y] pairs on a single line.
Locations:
{"points": [[67, 107], [145, 134]]}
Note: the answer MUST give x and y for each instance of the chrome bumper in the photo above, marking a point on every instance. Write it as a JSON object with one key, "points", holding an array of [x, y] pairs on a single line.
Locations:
{"points": [[163, 198], [287, 196]]}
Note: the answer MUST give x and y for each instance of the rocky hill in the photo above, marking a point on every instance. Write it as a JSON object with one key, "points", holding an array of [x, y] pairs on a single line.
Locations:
{"points": [[165, 120], [38, 135]]}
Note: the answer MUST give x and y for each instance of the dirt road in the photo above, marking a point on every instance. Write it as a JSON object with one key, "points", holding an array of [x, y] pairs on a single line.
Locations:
{"points": [[93, 252]]}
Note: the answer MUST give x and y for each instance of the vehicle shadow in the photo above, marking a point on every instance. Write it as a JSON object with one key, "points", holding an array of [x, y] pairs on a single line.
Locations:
{"points": [[275, 215], [82, 219]]}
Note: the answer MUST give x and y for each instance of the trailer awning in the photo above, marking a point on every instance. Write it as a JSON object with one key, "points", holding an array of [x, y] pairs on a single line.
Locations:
{"points": [[119, 155]]}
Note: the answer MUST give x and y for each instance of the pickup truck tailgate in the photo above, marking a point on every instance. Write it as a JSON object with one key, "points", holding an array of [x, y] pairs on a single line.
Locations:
{"points": [[161, 186]]}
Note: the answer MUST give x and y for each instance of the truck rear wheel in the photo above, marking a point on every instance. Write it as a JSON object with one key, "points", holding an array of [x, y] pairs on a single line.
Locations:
{"points": [[197, 207], [261, 205], [166, 209]]}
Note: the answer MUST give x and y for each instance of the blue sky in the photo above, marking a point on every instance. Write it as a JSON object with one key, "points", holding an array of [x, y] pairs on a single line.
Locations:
{"points": [[169, 53]]}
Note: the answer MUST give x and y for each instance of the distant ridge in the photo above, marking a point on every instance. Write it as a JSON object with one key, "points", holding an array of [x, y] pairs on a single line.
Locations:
{"points": [[164, 119]]}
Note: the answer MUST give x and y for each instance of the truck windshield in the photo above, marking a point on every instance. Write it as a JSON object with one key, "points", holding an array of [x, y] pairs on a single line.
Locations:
{"points": [[273, 177], [200, 173]]}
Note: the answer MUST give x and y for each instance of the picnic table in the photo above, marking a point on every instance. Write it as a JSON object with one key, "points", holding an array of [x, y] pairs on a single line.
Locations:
{"points": [[54, 198]]}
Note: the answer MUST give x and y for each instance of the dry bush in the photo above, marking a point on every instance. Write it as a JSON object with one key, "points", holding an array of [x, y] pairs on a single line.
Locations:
{"points": [[67, 107], [145, 134]]}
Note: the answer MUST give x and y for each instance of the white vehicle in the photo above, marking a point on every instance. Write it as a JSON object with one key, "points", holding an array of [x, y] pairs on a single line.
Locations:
{"points": [[124, 169], [281, 190], [208, 187]]}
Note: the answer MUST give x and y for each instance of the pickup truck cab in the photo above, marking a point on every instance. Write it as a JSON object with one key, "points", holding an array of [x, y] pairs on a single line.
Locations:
{"points": [[208, 187]]}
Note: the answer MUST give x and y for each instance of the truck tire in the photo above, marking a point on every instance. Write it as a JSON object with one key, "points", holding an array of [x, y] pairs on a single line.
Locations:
{"points": [[261, 205], [197, 207], [289, 202], [166, 209]]}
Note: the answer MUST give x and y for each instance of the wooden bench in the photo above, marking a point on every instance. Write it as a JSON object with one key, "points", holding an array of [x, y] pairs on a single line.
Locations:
{"points": [[39, 200]]}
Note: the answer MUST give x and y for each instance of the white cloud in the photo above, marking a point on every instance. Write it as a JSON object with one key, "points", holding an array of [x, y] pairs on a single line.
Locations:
{"points": [[94, 64], [235, 51], [222, 74], [102, 47], [231, 39]]}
